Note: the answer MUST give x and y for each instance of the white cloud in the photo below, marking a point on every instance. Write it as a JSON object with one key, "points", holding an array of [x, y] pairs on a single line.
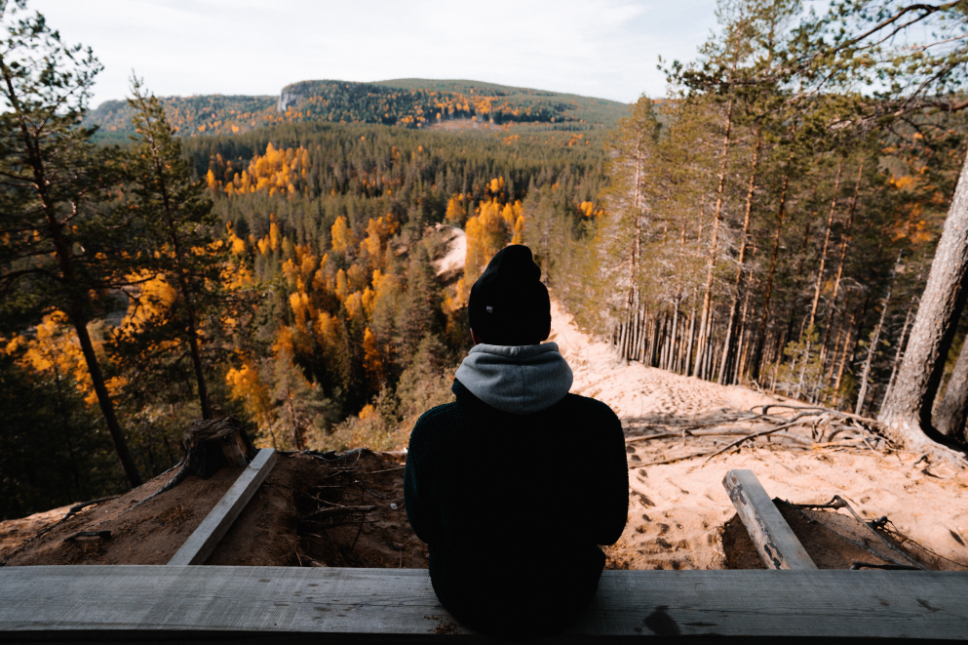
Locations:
{"points": [[605, 48]]}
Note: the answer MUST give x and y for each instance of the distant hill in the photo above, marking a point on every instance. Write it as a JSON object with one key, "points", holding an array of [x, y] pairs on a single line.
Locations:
{"points": [[409, 102]]}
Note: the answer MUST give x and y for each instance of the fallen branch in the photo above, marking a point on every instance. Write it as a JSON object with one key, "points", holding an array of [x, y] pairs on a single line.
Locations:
{"points": [[847, 415], [385, 470], [667, 461], [754, 435], [680, 435], [339, 509], [98, 534], [74, 510], [856, 566], [767, 406]]}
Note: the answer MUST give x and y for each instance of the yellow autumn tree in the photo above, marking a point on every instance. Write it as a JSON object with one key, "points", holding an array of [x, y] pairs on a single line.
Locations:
{"points": [[341, 236], [342, 287], [276, 172], [245, 385], [372, 363], [487, 233], [54, 350], [455, 210], [354, 305]]}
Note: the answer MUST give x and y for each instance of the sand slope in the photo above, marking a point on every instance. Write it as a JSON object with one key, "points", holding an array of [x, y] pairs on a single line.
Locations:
{"points": [[677, 511]]}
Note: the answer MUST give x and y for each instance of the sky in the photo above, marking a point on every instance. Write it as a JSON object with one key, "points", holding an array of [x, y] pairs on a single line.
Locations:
{"points": [[602, 48]]}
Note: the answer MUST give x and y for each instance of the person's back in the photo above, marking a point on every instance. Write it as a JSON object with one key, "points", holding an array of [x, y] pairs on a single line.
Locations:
{"points": [[514, 485]]}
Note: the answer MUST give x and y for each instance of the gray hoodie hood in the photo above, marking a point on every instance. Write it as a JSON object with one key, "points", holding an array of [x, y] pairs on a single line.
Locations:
{"points": [[517, 379]]}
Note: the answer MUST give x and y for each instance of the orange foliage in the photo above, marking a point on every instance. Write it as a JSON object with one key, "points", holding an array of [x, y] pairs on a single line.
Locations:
{"points": [[588, 210], [372, 363], [55, 350], [354, 305], [277, 171], [455, 210], [245, 385], [342, 287], [341, 236], [378, 231]]}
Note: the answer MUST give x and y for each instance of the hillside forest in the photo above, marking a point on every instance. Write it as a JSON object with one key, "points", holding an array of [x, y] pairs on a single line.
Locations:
{"points": [[406, 103], [774, 221]]}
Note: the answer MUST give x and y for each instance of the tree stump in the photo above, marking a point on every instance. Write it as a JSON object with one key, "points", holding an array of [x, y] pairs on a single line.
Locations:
{"points": [[209, 446]]}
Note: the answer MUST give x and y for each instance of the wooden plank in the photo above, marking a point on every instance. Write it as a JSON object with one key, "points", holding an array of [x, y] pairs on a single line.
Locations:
{"points": [[775, 541], [291, 604], [216, 524]]}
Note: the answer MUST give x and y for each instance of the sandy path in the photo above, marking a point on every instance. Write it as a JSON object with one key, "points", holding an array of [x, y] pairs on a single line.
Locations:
{"points": [[453, 242], [677, 511]]}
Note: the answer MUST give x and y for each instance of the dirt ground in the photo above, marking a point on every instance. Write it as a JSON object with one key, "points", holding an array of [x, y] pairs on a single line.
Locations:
{"points": [[312, 510], [347, 510]]}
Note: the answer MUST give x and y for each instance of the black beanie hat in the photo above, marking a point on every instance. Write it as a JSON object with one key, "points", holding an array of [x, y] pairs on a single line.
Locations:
{"points": [[508, 304]]}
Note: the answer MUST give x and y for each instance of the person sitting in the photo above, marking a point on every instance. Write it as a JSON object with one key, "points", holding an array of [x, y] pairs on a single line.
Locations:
{"points": [[515, 484]]}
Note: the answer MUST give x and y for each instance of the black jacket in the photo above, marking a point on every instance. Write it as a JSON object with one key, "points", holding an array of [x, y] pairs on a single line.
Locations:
{"points": [[513, 506]]}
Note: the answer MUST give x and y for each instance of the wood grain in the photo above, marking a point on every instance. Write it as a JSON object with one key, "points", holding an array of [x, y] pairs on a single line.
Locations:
{"points": [[773, 538], [216, 524], [289, 604]]}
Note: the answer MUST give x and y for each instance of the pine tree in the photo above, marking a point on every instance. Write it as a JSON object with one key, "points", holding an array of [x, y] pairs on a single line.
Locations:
{"points": [[60, 243], [918, 76], [179, 245]]}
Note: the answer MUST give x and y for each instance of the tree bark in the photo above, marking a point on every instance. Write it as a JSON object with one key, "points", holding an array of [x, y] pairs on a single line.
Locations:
{"points": [[704, 326], [729, 345], [952, 413], [875, 339], [823, 253], [764, 319], [845, 241], [907, 412], [899, 354]]}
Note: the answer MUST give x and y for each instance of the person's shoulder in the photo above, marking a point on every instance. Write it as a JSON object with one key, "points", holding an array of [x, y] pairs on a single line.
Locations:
{"points": [[436, 417], [588, 405], [431, 431]]}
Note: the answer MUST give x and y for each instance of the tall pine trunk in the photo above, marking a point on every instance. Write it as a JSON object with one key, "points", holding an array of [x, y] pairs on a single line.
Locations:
{"points": [[875, 341], [729, 344], [952, 412], [899, 354], [765, 317], [907, 411], [823, 253], [702, 349], [845, 241]]}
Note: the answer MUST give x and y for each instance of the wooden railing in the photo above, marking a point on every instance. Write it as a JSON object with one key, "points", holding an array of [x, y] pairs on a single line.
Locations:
{"points": [[184, 602], [288, 604]]}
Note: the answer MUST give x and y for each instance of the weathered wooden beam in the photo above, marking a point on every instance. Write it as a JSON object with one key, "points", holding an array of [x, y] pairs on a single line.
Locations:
{"points": [[291, 604], [775, 541], [216, 524]]}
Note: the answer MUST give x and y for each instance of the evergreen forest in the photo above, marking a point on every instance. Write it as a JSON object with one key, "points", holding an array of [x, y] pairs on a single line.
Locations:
{"points": [[408, 103], [788, 217]]}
